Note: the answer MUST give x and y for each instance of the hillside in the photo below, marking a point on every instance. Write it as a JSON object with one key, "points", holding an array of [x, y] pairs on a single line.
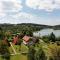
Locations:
{"points": [[29, 26]]}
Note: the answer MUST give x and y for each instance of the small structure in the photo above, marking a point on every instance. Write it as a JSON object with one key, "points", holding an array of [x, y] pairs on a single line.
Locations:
{"points": [[30, 40], [15, 39], [26, 39]]}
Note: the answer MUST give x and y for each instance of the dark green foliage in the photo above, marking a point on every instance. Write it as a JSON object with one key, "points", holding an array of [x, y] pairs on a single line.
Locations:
{"points": [[45, 39], [50, 58], [52, 37], [19, 42], [58, 38], [31, 53], [28, 32], [1, 34], [6, 56], [14, 28], [4, 51], [40, 55]]}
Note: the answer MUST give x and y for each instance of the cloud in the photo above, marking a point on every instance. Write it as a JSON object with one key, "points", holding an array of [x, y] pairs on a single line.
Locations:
{"points": [[47, 5], [20, 17], [11, 11], [11, 6], [23, 17]]}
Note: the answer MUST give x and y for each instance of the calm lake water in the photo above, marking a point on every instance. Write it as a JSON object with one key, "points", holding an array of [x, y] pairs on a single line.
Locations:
{"points": [[47, 32]]}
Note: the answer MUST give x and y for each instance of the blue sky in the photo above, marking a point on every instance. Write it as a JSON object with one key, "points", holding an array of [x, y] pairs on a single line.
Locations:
{"points": [[30, 11]]}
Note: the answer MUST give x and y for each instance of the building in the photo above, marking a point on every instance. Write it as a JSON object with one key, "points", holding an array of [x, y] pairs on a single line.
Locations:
{"points": [[26, 39], [15, 39]]}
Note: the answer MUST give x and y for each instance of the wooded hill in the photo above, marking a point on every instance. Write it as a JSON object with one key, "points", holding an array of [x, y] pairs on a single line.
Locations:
{"points": [[27, 26]]}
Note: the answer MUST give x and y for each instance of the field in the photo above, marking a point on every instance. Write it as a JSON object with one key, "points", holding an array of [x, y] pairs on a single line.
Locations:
{"points": [[17, 57]]}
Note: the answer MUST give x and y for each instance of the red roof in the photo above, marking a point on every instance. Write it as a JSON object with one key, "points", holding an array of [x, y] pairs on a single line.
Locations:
{"points": [[26, 38], [15, 40]]}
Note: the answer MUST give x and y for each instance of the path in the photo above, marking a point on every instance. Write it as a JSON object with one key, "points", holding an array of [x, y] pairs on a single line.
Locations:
{"points": [[13, 47]]}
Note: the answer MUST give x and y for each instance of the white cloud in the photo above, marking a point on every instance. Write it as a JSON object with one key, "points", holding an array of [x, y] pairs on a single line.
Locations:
{"points": [[18, 18], [10, 11], [23, 17], [7, 6], [47, 5]]}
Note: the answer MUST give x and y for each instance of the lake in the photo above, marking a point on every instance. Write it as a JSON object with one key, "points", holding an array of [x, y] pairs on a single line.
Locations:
{"points": [[44, 32]]}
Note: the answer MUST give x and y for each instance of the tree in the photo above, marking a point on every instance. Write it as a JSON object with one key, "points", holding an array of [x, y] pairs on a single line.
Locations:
{"points": [[4, 51], [19, 42], [55, 52], [52, 37], [1, 33], [40, 55], [27, 31], [45, 39], [31, 53]]}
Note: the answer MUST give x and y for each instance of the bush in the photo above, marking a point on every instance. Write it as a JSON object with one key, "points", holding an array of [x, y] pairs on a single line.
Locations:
{"points": [[52, 37]]}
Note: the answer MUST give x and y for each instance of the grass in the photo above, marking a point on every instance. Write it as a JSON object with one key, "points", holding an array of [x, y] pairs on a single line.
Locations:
{"points": [[24, 48], [21, 48], [11, 51], [17, 57], [17, 48], [1, 58], [49, 50]]}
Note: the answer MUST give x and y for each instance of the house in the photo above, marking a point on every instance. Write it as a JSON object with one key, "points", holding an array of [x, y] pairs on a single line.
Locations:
{"points": [[33, 40], [15, 39], [30, 40], [26, 39]]}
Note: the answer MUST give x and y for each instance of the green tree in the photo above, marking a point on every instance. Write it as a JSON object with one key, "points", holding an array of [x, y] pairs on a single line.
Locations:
{"points": [[31, 53], [52, 37], [20, 41], [4, 51], [40, 55], [1, 33]]}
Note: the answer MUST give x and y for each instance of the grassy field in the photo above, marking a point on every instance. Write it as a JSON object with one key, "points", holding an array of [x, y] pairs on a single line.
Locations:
{"points": [[49, 49], [20, 49], [17, 48], [17, 57]]}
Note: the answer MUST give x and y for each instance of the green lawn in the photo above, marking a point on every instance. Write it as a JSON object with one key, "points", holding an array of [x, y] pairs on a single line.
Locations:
{"points": [[21, 48], [17, 57], [17, 48], [24, 48], [11, 51]]}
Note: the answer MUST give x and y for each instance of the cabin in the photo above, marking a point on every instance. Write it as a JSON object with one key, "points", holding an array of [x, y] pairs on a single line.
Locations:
{"points": [[26, 39], [29, 40], [15, 40]]}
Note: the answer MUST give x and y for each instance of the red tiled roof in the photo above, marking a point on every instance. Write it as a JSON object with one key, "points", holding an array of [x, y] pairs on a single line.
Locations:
{"points": [[15, 40], [26, 38]]}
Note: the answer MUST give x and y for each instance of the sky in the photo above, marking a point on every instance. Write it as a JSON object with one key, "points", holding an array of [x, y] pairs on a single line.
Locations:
{"points": [[30, 11]]}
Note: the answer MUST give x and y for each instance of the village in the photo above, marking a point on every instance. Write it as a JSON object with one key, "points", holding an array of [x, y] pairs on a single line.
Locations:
{"points": [[18, 43], [22, 46]]}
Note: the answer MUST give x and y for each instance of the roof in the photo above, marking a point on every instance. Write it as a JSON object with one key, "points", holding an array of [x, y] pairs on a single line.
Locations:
{"points": [[15, 40], [26, 38]]}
